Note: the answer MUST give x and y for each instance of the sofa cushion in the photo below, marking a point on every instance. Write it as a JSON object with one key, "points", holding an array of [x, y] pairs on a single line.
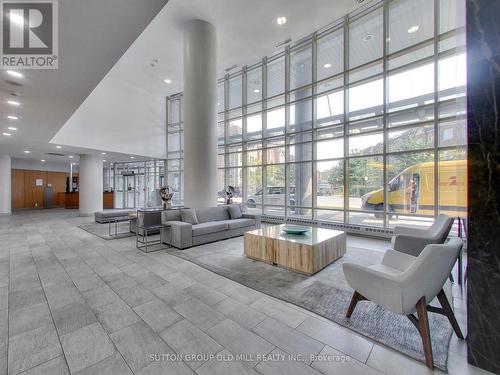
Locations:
{"points": [[210, 227], [212, 214], [234, 211], [189, 216], [171, 215], [239, 223]]}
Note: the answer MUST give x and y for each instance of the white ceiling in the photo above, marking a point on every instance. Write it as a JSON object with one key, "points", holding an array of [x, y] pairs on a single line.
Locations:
{"points": [[125, 113]]}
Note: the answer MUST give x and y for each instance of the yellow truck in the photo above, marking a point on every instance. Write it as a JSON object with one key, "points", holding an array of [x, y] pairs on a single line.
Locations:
{"points": [[412, 190]]}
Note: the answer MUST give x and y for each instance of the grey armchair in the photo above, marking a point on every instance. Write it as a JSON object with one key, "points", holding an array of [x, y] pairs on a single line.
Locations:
{"points": [[405, 284], [412, 240]]}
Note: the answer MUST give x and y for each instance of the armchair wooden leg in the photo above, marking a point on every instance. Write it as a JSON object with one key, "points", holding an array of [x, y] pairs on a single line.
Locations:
{"points": [[423, 324], [448, 311], [356, 297]]}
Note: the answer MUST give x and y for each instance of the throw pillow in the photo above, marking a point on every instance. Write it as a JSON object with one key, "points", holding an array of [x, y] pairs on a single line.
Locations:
{"points": [[234, 211], [189, 216]]}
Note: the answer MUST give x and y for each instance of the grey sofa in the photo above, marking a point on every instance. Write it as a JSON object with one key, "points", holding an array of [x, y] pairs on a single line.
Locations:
{"points": [[215, 224]]}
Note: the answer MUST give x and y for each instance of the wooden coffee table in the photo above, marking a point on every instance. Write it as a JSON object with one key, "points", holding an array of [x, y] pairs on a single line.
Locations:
{"points": [[306, 253]]}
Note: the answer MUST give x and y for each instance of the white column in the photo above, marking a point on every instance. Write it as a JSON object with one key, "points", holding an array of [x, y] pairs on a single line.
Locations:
{"points": [[200, 114], [5, 185], [91, 186]]}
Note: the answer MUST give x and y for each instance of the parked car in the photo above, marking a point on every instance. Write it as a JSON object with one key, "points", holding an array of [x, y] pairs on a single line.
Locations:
{"points": [[275, 195]]}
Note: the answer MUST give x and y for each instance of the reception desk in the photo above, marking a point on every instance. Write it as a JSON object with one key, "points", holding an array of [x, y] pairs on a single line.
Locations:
{"points": [[72, 200]]}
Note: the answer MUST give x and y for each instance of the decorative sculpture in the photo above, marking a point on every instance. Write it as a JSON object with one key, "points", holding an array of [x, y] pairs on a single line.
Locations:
{"points": [[229, 194], [166, 195]]}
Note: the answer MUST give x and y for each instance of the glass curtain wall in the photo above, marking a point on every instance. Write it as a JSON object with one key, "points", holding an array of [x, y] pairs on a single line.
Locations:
{"points": [[175, 146], [363, 122]]}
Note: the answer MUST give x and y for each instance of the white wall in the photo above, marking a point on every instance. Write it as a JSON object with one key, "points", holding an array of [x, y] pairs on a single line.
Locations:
{"points": [[91, 199], [36, 165], [5, 185]]}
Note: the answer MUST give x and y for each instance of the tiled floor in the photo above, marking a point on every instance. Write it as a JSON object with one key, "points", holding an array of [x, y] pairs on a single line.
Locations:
{"points": [[71, 302]]}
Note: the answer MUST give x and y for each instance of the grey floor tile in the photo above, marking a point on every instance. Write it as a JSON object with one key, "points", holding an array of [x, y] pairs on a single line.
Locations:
{"points": [[134, 269], [287, 338], [113, 365], [86, 346], [205, 294], [32, 348], [279, 311], [171, 294], [225, 366], [135, 295], [25, 298], [101, 297], [92, 281], [187, 339], [137, 343], [3, 365], [56, 366], [73, 317], [157, 314], [242, 314], [61, 296], [199, 313], [239, 340], [28, 318], [390, 362], [241, 293], [119, 281], [281, 363], [337, 337], [116, 316], [164, 367], [149, 280], [333, 362]]}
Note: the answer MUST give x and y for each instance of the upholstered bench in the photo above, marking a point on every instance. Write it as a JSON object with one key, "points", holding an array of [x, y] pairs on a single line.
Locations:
{"points": [[108, 216]]}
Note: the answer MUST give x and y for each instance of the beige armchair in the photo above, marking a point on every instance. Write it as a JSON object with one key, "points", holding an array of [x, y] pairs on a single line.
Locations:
{"points": [[405, 284], [412, 240]]}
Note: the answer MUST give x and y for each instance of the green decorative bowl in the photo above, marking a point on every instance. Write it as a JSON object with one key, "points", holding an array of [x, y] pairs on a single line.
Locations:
{"points": [[295, 229]]}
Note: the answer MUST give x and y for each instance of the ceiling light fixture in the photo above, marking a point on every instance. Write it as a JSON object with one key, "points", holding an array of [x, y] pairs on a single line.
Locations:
{"points": [[58, 146], [327, 66], [132, 157], [12, 117], [103, 153], [12, 128], [413, 29], [368, 37], [71, 156], [27, 151], [104, 161], [13, 102], [7, 134], [13, 73], [168, 81], [281, 20], [256, 91], [43, 160]]}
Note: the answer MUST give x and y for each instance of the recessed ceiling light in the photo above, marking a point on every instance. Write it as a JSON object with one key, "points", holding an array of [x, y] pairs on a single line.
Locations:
{"points": [[27, 152], [327, 66], [14, 73], [13, 102], [58, 146], [71, 156], [132, 157], [281, 20], [104, 161], [7, 134], [168, 81], [256, 91], [43, 160], [12, 117], [367, 37], [103, 153], [12, 128], [413, 29]]}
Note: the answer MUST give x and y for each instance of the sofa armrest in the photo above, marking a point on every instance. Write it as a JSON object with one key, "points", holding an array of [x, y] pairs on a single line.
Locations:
{"points": [[182, 234], [256, 217], [412, 245]]}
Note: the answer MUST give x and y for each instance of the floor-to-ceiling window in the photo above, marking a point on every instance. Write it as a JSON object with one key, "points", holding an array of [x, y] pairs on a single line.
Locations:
{"points": [[362, 122]]}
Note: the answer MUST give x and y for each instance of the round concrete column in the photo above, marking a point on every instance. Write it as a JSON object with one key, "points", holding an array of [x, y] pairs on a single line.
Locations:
{"points": [[5, 185], [91, 186], [200, 114]]}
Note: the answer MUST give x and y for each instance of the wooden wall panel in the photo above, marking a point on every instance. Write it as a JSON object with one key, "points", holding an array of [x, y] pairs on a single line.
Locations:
{"points": [[17, 186], [58, 182], [33, 195]]}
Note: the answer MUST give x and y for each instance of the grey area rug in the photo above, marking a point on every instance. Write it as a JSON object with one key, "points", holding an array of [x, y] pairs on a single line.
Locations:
{"points": [[102, 230], [326, 293]]}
